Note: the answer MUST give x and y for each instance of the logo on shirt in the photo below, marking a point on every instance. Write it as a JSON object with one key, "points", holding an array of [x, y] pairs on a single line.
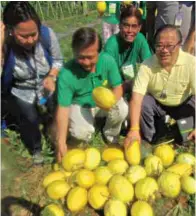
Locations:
{"points": [[105, 83]]}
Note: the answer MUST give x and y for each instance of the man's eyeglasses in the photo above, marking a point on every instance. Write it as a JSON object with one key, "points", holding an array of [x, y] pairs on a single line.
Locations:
{"points": [[170, 48], [127, 26]]}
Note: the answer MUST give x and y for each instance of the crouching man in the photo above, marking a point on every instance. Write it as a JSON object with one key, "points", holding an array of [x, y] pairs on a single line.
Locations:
{"points": [[165, 85], [76, 109]]}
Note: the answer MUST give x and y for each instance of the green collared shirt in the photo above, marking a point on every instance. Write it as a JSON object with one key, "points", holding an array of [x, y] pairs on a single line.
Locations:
{"points": [[137, 51], [75, 85]]}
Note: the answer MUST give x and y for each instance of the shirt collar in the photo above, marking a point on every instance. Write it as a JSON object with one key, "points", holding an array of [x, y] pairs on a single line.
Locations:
{"points": [[181, 59]]}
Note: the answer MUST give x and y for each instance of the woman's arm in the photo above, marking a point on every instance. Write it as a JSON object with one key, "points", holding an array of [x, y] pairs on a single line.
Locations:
{"points": [[2, 42], [55, 52]]}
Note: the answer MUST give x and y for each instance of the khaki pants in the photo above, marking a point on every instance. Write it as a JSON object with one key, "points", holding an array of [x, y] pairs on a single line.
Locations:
{"points": [[81, 121]]}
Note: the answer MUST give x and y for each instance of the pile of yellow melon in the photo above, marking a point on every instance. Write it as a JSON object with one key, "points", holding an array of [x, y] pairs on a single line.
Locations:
{"points": [[124, 185]]}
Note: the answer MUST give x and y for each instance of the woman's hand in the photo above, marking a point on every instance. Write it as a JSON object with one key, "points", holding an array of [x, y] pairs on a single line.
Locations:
{"points": [[49, 83], [131, 136]]}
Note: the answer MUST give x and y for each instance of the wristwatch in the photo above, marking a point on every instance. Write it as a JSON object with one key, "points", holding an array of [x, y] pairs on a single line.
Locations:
{"points": [[53, 77]]}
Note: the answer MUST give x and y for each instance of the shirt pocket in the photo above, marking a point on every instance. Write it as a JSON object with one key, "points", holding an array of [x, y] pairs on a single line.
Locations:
{"points": [[181, 87]]}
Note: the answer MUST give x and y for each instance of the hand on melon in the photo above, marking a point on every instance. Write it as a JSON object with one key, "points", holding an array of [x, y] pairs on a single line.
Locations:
{"points": [[131, 136]]}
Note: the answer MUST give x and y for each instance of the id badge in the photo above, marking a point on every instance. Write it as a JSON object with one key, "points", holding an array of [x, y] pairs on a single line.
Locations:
{"points": [[178, 19], [112, 8], [128, 72]]}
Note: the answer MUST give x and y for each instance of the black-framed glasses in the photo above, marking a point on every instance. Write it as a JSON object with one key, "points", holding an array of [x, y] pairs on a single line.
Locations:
{"points": [[170, 48]]}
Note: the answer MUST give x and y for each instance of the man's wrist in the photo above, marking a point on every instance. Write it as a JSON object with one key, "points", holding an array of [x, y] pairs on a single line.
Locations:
{"points": [[134, 128], [60, 145], [53, 77]]}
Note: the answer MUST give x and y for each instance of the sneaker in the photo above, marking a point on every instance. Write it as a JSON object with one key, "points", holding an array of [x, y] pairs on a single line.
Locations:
{"points": [[38, 158]]}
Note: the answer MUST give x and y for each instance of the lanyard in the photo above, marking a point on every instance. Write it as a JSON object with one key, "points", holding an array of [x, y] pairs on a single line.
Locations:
{"points": [[125, 59], [37, 81], [31, 67], [34, 69]]}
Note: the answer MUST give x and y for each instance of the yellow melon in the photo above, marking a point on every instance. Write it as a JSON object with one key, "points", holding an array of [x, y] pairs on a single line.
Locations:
{"points": [[104, 98], [73, 160]]}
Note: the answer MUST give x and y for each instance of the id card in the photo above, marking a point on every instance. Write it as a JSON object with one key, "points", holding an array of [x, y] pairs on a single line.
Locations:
{"points": [[112, 8], [128, 72], [178, 19]]}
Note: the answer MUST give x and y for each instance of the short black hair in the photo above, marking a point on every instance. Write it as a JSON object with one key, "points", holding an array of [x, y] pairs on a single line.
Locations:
{"points": [[131, 11], [84, 37], [19, 11], [168, 27]]}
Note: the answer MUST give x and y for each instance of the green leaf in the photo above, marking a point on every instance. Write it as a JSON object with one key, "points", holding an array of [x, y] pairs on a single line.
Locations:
{"points": [[176, 211]]}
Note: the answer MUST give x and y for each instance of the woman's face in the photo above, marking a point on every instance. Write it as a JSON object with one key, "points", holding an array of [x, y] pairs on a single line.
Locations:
{"points": [[26, 34], [129, 28]]}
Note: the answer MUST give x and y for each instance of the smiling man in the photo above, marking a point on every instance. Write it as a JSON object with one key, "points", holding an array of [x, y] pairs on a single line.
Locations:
{"points": [[129, 47], [76, 109], [165, 85]]}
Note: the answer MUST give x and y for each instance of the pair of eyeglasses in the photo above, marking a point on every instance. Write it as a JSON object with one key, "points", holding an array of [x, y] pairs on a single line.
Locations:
{"points": [[169, 48], [127, 26]]}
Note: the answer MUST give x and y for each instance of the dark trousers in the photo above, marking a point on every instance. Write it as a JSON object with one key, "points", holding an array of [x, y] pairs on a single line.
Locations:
{"points": [[152, 111], [28, 119]]}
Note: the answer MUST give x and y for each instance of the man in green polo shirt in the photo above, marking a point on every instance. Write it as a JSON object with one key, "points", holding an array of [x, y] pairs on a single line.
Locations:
{"points": [[129, 47], [165, 84], [76, 109]]}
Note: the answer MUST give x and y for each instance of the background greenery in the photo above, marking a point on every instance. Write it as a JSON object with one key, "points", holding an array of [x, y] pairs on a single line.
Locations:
{"points": [[55, 10]]}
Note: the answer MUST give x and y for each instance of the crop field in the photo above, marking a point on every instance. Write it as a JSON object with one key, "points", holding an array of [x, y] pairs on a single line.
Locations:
{"points": [[22, 191]]}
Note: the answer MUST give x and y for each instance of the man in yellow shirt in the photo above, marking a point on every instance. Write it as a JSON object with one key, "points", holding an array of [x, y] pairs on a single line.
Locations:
{"points": [[165, 85]]}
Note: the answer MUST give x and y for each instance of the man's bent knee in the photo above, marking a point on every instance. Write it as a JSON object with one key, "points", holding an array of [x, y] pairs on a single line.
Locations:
{"points": [[82, 133], [120, 111]]}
